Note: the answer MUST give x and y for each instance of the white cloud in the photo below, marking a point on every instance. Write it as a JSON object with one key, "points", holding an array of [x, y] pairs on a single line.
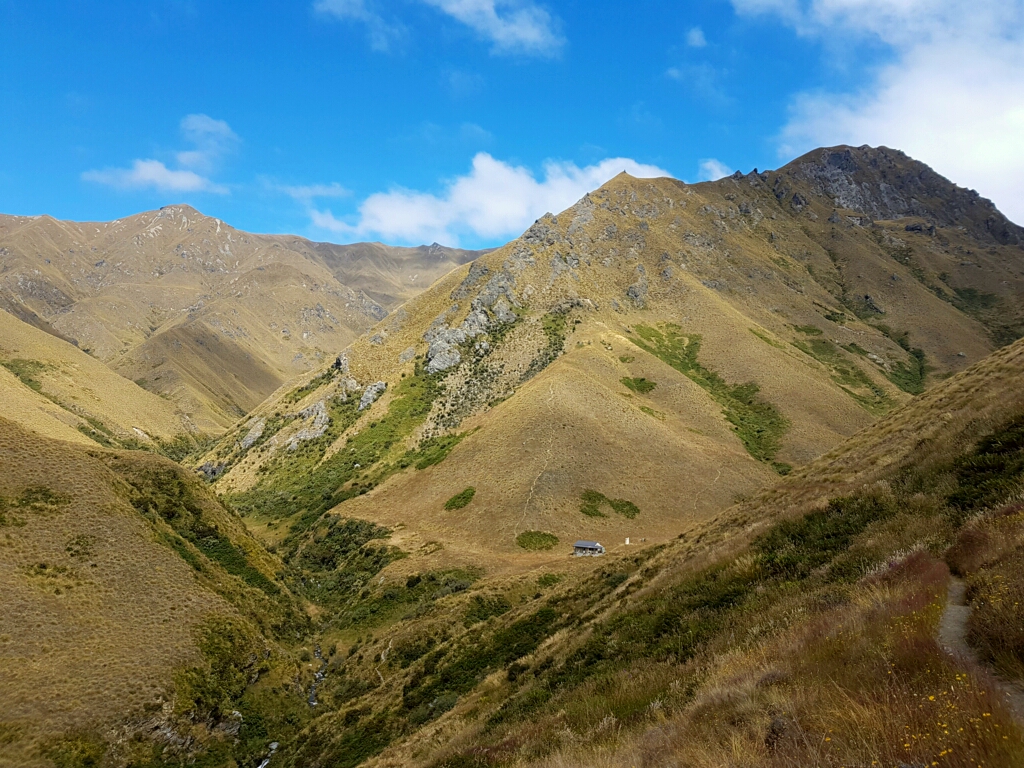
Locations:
{"points": [[513, 26], [712, 170], [155, 175], [494, 201], [382, 33], [211, 140], [695, 38], [952, 97], [310, 192]]}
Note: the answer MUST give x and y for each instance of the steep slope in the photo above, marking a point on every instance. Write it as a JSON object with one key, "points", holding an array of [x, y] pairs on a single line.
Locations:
{"points": [[786, 633], [55, 389], [628, 367], [119, 573], [161, 297]]}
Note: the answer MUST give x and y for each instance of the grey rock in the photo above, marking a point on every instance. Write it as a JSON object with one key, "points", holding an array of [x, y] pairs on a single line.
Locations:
{"points": [[444, 359], [501, 285], [477, 271], [378, 339], [503, 312], [521, 258], [558, 266], [476, 323], [407, 354], [256, 427], [371, 393], [212, 471], [542, 233], [638, 290], [319, 424]]}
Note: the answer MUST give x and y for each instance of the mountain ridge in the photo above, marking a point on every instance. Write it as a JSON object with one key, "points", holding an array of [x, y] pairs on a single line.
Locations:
{"points": [[752, 300], [115, 287]]}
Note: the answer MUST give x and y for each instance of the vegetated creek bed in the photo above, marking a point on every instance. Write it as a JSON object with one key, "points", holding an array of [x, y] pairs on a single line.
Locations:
{"points": [[318, 676]]}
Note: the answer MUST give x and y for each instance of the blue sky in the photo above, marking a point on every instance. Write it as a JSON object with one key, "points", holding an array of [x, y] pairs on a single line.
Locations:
{"points": [[461, 121]]}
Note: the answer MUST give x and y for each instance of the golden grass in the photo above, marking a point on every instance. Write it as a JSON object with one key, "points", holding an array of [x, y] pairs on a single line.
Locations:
{"points": [[96, 615]]}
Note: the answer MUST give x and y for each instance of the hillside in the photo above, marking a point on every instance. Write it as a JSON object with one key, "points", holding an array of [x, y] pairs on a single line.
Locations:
{"points": [[791, 631], [638, 362], [53, 388], [122, 575], [796, 628], [191, 308]]}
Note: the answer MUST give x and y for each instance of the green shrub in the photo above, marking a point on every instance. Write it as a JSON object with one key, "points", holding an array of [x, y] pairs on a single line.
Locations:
{"points": [[757, 423], [482, 608], [536, 540], [625, 508], [77, 750], [434, 450], [548, 580], [591, 502], [461, 499], [639, 385]]}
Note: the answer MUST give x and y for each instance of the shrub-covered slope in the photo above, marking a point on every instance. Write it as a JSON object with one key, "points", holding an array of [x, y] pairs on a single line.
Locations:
{"points": [[135, 606]]}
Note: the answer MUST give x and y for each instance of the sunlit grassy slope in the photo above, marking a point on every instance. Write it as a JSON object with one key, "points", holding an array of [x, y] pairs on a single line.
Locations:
{"points": [[797, 628], [793, 630], [766, 319], [758, 381], [191, 308], [59, 391], [123, 579]]}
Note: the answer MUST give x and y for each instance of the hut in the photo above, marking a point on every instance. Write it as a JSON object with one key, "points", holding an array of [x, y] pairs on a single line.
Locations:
{"points": [[587, 549]]}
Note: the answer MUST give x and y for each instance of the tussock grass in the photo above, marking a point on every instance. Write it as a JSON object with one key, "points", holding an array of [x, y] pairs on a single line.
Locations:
{"points": [[814, 644]]}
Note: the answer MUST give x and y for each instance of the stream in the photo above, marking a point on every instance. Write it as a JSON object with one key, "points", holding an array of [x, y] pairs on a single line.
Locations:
{"points": [[318, 676]]}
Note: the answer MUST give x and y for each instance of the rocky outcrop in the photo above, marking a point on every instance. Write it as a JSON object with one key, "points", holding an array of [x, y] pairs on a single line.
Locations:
{"points": [[371, 393], [885, 183], [320, 421], [256, 427]]}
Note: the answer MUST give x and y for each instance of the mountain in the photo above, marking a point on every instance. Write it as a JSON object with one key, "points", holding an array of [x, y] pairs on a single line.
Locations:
{"points": [[146, 627], [638, 362], [191, 308]]}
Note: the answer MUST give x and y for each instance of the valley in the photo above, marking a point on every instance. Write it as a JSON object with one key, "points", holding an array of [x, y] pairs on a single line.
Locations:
{"points": [[269, 502]]}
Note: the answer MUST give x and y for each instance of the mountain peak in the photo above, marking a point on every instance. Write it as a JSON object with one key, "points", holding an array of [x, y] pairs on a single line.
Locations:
{"points": [[886, 184]]}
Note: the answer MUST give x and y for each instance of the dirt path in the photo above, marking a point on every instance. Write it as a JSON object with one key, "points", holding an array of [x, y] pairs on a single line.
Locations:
{"points": [[952, 637]]}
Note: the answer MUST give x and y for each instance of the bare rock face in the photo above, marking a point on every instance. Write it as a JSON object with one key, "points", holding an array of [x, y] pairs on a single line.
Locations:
{"points": [[256, 427], [320, 421], [887, 184], [443, 352], [371, 393]]}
